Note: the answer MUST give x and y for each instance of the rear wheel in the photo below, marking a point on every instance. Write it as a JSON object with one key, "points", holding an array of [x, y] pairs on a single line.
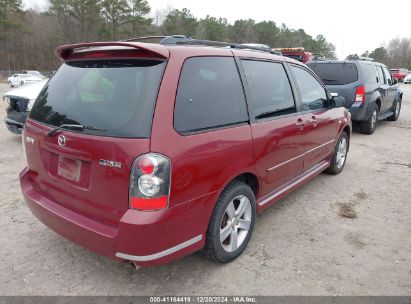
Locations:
{"points": [[231, 223], [22, 83], [397, 111], [339, 156], [368, 126]]}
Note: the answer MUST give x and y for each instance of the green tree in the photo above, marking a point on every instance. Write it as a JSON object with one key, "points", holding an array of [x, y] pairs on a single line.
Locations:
{"points": [[61, 9], [9, 10], [212, 28], [139, 9], [179, 22], [84, 12], [242, 31], [380, 54], [116, 13], [267, 33], [352, 57]]}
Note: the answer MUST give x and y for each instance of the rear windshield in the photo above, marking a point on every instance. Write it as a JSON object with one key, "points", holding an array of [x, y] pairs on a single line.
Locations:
{"points": [[116, 96], [335, 73]]}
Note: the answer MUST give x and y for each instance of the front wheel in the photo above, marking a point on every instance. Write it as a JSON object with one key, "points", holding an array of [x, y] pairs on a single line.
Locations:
{"points": [[339, 156], [231, 223], [22, 83], [368, 126], [10, 84], [397, 111]]}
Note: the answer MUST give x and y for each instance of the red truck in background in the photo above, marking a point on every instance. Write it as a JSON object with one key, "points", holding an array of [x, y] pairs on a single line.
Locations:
{"points": [[297, 53], [399, 73]]}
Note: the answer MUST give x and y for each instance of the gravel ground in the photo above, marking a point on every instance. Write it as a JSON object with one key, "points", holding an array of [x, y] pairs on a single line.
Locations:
{"points": [[338, 235]]}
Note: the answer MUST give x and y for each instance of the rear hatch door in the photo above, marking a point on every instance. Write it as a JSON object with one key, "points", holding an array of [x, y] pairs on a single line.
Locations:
{"points": [[87, 170], [339, 77]]}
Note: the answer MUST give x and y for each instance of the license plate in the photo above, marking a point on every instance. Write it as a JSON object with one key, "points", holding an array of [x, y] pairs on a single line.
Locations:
{"points": [[69, 168]]}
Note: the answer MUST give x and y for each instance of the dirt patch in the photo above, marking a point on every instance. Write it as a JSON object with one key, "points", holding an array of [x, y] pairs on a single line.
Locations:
{"points": [[398, 164], [355, 239], [361, 195], [347, 210]]}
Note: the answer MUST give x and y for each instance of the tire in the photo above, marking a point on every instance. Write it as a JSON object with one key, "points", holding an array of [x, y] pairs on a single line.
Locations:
{"points": [[339, 156], [10, 84], [226, 222], [368, 126], [397, 110], [22, 83]]}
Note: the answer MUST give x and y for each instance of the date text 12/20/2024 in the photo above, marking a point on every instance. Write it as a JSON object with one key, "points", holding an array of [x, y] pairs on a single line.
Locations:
{"points": [[203, 299]]}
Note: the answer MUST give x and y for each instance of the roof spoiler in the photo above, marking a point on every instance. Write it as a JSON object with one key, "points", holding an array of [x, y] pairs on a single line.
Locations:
{"points": [[65, 51]]}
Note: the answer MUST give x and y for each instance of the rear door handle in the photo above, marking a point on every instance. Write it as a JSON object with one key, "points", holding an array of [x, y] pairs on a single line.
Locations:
{"points": [[300, 124], [314, 121]]}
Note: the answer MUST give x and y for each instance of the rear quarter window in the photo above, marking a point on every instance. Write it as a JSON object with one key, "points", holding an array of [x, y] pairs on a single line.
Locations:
{"points": [[209, 95], [368, 73], [335, 73]]}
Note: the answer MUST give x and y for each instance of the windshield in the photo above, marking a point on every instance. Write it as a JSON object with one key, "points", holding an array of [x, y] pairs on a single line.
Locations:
{"points": [[117, 96], [335, 73]]}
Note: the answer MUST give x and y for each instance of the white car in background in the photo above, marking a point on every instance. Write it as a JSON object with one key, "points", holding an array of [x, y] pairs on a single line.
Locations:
{"points": [[20, 102], [407, 78], [22, 79], [34, 73]]}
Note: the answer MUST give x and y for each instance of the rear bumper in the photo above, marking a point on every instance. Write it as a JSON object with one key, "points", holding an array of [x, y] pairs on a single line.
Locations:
{"points": [[360, 111], [148, 238], [13, 125]]}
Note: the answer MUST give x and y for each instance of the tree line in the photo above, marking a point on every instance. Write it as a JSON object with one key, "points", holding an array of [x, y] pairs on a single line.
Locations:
{"points": [[397, 54], [28, 37]]}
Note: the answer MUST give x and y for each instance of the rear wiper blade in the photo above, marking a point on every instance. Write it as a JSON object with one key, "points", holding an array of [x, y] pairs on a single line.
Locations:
{"points": [[68, 126]]}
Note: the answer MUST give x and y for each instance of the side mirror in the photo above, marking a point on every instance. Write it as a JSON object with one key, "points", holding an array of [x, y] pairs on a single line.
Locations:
{"points": [[337, 101], [395, 81]]}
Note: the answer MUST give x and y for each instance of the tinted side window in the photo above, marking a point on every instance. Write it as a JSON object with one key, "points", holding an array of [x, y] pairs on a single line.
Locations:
{"points": [[335, 73], [312, 92], [368, 73], [380, 74], [388, 79], [269, 87], [209, 95]]}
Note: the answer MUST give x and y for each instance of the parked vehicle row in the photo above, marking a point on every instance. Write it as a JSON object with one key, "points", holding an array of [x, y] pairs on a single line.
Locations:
{"points": [[407, 79], [399, 73], [148, 152], [371, 93]]}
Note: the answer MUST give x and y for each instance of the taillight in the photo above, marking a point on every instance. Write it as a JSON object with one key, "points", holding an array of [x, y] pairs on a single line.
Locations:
{"points": [[150, 182], [360, 94]]}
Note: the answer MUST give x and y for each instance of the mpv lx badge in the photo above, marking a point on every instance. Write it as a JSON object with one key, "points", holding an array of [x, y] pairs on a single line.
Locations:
{"points": [[61, 140], [110, 163]]}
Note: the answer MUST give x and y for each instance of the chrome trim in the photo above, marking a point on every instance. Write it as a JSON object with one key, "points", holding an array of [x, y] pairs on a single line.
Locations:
{"points": [[155, 256], [320, 146], [301, 155], [314, 170], [286, 162]]}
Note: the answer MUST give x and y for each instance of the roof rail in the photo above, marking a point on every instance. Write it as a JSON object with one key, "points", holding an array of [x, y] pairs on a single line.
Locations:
{"points": [[227, 44], [365, 58]]}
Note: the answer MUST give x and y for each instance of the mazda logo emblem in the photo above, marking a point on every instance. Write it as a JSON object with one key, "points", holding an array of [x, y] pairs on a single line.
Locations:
{"points": [[61, 140]]}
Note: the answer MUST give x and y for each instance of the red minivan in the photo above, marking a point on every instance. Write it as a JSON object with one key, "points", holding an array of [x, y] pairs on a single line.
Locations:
{"points": [[146, 152]]}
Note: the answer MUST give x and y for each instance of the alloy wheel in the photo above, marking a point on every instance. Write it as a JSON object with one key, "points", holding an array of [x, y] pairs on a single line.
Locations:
{"points": [[374, 119], [235, 223], [341, 152]]}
